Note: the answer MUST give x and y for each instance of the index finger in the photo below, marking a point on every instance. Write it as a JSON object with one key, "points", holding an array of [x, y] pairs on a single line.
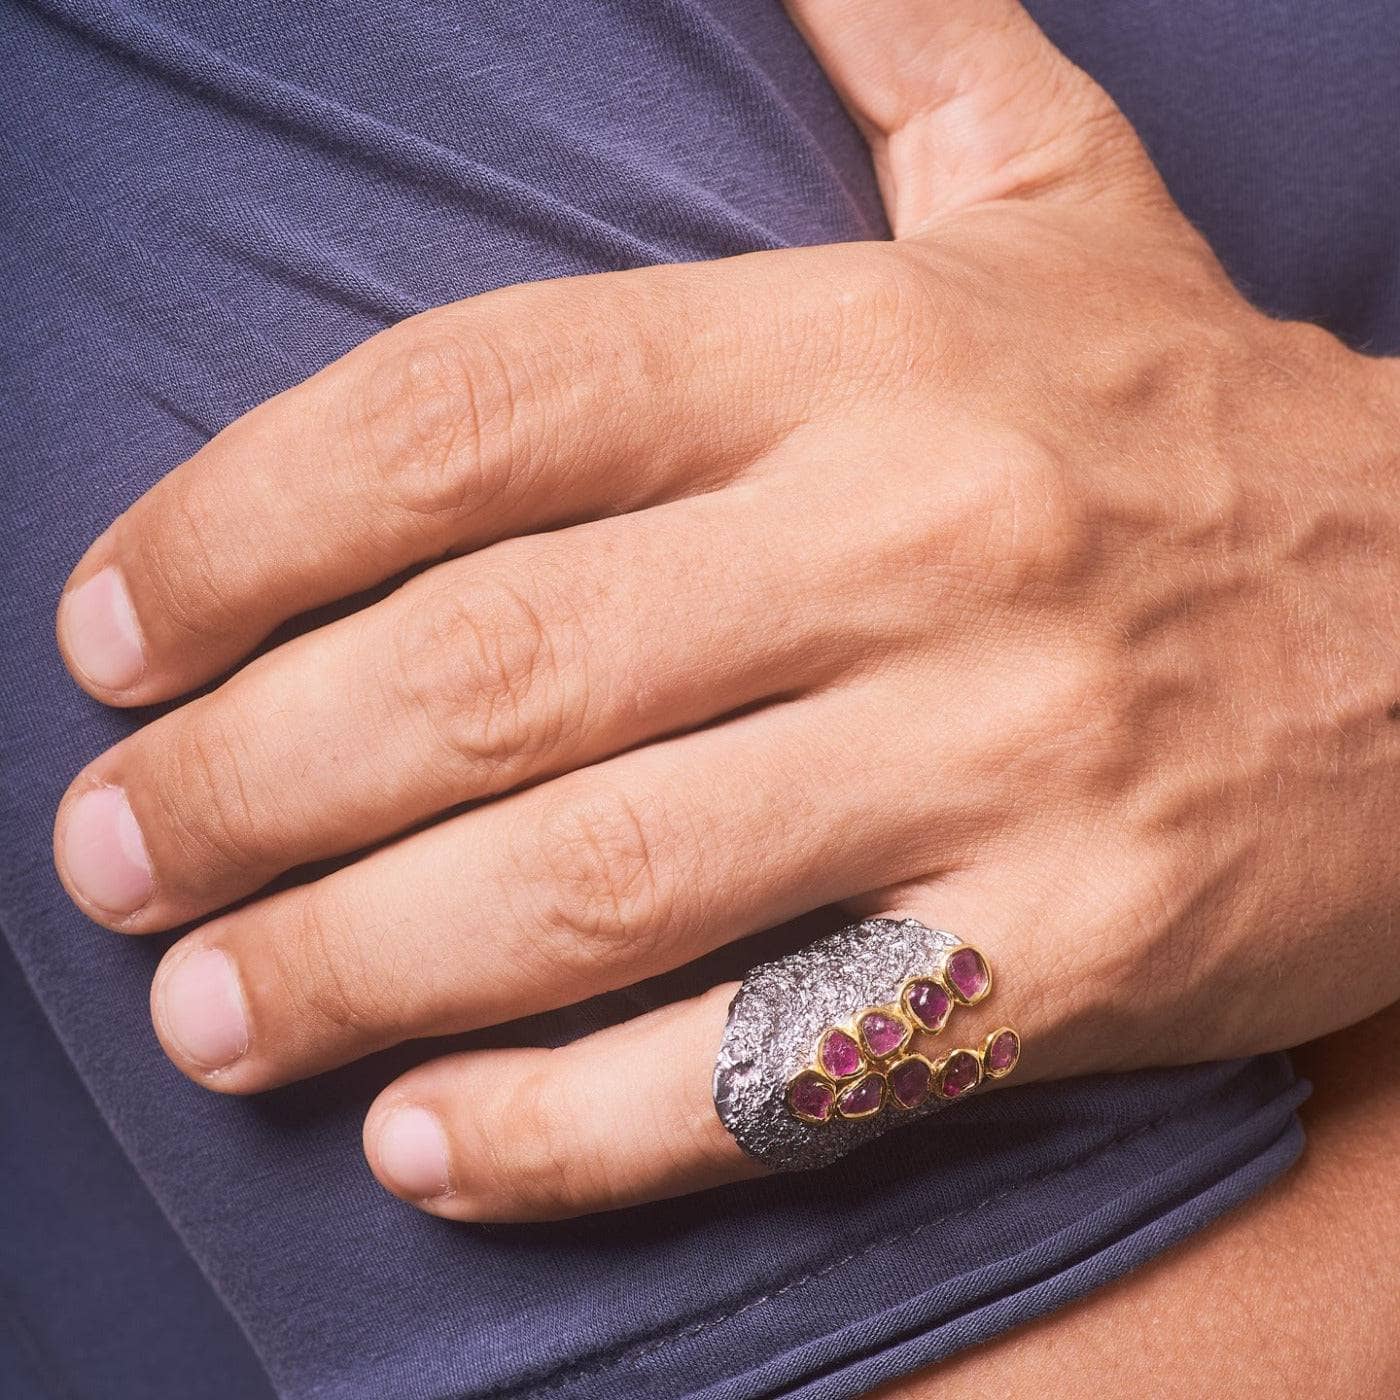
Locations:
{"points": [[515, 411]]}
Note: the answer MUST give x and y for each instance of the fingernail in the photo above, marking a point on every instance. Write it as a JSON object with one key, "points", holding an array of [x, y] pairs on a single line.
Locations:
{"points": [[100, 632], [412, 1151], [201, 1009], [104, 853]]}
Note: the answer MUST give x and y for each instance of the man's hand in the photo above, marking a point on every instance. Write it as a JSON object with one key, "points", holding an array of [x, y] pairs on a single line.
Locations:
{"points": [[1015, 575]]}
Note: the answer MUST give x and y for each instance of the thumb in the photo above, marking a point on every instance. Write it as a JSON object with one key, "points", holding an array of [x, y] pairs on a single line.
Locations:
{"points": [[965, 101]]}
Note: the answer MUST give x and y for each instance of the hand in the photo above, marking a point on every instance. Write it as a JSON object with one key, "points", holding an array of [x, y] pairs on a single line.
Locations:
{"points": [[1014, 575]]}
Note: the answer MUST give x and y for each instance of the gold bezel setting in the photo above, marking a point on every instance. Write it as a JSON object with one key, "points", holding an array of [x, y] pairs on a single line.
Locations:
{"points": [[821, 1065], [930, 979], [818, 1076], [860, 1083], [872, 1064], [928, 1087], [890, 1013], [952, 987], [991, 1039], [943, 1068]]}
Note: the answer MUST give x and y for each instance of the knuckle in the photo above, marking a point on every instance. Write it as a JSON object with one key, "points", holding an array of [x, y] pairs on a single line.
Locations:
{"points": [[478, 665], [179, 564], [899, 283], [207, 810], [325, 974], [435, 417], [537, 1171], [1062, 725], [1071, 726], [892, 317], [1020, 511], [597, 878]]}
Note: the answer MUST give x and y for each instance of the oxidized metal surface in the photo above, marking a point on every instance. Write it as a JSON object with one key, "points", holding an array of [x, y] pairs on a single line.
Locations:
{"points": [[778, 1013]]}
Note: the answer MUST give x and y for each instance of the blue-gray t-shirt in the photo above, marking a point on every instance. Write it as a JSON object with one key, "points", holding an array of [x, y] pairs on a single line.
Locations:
{"points": [[203, 203]]}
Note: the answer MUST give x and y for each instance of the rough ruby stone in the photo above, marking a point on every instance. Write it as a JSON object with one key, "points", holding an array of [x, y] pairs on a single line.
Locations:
{"points": [[882, 1033], [928, 1004], [862, 1098], [962, 1072], [1003, 1052], [911, 1081], [967, 974], [810, 1096], [840, 1055]]}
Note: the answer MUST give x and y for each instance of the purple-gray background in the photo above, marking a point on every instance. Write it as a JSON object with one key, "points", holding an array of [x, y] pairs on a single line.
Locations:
{"points": [[203, 203]]}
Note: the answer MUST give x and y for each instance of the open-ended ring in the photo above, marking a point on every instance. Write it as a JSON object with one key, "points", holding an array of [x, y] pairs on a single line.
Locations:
{"points": [[828, 1047]]}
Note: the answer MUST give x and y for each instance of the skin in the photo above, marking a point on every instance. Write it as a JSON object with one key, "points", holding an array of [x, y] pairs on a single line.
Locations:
{"points": [[1015, 575]]}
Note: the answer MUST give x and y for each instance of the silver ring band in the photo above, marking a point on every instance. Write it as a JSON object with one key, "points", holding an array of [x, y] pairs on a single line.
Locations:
{"points": [[830, 1046]]}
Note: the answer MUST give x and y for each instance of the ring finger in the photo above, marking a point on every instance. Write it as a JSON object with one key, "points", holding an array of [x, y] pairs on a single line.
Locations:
{"points": [[586, 883], [625, 1115]]}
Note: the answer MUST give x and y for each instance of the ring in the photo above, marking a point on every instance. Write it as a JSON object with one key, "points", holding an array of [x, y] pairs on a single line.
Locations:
{"points": [[830, 1046]]}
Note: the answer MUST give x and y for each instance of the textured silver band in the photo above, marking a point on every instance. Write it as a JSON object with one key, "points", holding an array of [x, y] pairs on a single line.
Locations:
{"points": [[780, 1010]]}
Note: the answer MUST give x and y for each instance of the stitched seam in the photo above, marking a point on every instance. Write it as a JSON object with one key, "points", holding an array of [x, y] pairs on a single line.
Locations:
{"points": [[601, 1361]]}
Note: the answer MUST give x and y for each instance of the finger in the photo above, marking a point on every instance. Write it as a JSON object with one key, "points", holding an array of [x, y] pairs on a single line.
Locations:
{"points": [[626, 1115], [515, 411], [584, 884], [616, 1118], [535, 656], [966, 101]]}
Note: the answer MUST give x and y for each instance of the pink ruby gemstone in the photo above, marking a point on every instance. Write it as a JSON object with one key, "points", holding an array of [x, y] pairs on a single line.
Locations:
{"points": [[1003, 1052], [882, 1034], [928, 1004], [840, 1055], [961, 1073], [910, 1082], [863, 1097], [968, 974], [810, 1096]]}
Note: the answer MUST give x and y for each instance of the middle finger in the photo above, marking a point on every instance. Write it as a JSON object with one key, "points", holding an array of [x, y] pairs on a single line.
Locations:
{"points": [[581, 885], [530, 658]]}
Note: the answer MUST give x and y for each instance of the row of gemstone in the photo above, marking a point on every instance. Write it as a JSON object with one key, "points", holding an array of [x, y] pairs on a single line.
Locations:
{"points": [[861, 1067]]}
